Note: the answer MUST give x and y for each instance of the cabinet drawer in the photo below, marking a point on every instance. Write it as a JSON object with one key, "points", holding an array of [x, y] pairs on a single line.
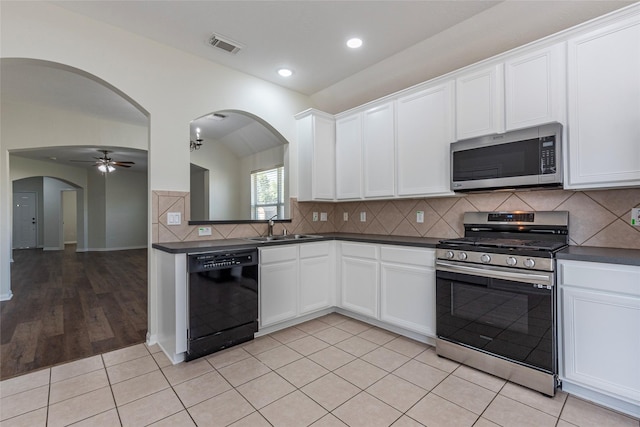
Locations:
{"points": [[310, 250], [604, 277], [359, 250], [400, 255], [283, 253]]}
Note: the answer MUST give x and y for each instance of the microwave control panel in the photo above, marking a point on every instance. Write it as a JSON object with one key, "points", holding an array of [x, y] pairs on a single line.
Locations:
{"points": [[548, 155]]}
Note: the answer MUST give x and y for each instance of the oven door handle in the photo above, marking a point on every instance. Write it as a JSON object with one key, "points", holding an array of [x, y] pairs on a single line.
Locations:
{"points": [[543, 279]]}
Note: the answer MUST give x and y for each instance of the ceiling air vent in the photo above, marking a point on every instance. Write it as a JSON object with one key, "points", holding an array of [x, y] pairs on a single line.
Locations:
{"points": [[224, 43]]}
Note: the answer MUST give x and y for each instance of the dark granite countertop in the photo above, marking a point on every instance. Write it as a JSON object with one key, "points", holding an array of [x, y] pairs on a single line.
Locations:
{"points": [[598, 254], [576, 253], [236, 244]]}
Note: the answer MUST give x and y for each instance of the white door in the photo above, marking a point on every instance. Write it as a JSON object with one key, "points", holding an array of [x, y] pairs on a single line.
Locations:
{"points": [[24, 220]]}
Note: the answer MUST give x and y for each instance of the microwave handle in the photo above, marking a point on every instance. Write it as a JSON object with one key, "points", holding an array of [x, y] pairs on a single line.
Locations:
{"points": [[493, 273]]}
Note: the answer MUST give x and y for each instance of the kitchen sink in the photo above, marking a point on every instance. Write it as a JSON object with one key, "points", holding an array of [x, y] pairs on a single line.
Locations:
{"points": [[283, 238]]}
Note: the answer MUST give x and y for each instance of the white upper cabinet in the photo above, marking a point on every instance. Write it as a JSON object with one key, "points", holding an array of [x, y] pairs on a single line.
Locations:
{"points": [[316, 155], [378, 139], [527, 89], [349, 157], [535, 88], [480, 102], [425, 129], [604, 106]]}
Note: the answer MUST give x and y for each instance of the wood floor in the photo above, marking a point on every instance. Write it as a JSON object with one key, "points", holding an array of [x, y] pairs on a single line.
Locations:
{"points": [[69, 305]]}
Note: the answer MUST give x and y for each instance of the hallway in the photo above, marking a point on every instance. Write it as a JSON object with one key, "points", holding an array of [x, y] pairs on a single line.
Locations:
{"points": [[67, 306]]}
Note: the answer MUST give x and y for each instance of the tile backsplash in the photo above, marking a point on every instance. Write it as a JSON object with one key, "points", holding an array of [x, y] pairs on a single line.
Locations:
{"points": [[596, 218]]}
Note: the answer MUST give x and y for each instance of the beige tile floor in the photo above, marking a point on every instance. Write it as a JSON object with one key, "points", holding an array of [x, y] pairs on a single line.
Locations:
{"points": [[332, 371]]}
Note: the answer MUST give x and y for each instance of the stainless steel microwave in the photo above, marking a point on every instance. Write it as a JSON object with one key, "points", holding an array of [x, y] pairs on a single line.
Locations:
{"points": [[529, 157]]}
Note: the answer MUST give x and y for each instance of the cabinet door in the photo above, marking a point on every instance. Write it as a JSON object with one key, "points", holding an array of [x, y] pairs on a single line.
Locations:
{"points": [[408, 297], [278, 292], [316, 284], [424, 132], [359, 283], [601, 341], [604, 106], [316, 156], [349, 157], [480, 102], [534, 88], [379, 149]]}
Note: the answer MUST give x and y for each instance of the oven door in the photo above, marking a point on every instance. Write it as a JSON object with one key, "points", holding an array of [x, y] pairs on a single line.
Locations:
{"points": [[505, 313]]}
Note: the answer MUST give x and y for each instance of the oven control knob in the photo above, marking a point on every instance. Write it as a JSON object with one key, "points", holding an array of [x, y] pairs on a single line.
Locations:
{"points": [[529, 263], [462, 256], [511, 261], [449, 255], [485, 258]]}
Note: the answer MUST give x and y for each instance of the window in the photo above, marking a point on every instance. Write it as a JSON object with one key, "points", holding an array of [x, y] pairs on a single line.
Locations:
{"points": [[267, 193]]}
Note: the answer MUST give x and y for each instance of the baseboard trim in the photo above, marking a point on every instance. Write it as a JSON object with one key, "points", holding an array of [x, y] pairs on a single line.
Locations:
{"points": [[6, 297], [123, 248]]}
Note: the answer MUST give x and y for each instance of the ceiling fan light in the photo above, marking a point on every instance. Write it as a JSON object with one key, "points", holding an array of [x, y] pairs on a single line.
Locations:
{"points": [[106, 168]]}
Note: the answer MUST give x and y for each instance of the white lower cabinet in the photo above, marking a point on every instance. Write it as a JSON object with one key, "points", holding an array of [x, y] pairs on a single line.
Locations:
{"points": [[600, 333], [295, 279], [278, 284], [317, 276], [393, 284], [359, 272], [408, 288]]}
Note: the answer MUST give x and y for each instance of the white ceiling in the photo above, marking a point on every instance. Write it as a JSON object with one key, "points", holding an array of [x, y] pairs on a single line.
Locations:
{"points": [[405, 42]]}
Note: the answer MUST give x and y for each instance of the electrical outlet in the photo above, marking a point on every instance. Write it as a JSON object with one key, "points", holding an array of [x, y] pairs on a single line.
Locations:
{"points": [[323, 216], [174, 218], [315, 216], [420, 217], [635, 217], [204, 231], [345, 216], [363, 217]]}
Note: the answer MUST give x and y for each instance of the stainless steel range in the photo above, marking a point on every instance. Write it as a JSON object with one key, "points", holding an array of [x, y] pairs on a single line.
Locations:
{"points": [[496, 295]]}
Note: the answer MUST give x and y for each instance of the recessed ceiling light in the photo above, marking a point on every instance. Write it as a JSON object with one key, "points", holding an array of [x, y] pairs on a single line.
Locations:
{"points": [[285, 72], [354, 43]]}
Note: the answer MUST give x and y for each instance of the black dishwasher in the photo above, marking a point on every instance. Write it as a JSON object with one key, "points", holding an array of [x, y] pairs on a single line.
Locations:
{"points": [[223, 300]]}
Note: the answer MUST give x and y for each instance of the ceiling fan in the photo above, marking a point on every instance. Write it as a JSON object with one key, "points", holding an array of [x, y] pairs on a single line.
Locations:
{"points": [[105, 164]]}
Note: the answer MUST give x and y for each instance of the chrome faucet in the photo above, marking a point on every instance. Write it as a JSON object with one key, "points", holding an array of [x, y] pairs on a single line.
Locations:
{"points": [[270, 226]]}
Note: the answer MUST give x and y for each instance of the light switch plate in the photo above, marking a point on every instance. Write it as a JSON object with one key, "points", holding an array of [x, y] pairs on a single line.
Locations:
{"points": [[204, 231], [363, 217], [323, 216], [635, 217], [174, 218], [345, 216], [315, 216], [420, 217]]}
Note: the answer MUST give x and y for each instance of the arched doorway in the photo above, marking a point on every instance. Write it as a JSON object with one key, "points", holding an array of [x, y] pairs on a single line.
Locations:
{"points": [[50, 110]]}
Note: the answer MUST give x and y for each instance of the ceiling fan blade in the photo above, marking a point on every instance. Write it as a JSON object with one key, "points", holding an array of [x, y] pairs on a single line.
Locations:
{"points": [[84, 161], [124, 163], [120, 165]]}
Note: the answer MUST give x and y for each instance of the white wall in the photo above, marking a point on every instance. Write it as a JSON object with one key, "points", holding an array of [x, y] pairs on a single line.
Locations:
{"points": [[171, 86], [69, 217], [224, 178], [96, 212], [126, 210]]}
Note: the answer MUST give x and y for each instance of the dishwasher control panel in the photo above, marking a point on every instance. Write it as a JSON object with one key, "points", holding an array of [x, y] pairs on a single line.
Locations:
{"points": [[218, 260]]}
